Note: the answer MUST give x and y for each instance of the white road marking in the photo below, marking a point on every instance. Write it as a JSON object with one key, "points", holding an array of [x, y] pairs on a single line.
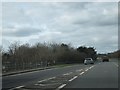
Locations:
{"points": [[16, 88], [86, 69], [68, 73], [19, 87], [44, 69], [79, 70], [46, 79], [116, 64], [91, 67], [73, 78], [60, 87], [36, 84], [52, 78], [82, 73], [40, 84]]}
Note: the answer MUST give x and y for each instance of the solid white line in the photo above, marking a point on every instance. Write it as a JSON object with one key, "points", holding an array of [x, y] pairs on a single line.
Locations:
{"points": [[60, 87], [46, 79], [73, 78], [82, 73]]}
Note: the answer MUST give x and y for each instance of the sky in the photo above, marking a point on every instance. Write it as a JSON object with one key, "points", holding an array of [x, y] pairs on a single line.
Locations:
{"points": [[93, 24]]}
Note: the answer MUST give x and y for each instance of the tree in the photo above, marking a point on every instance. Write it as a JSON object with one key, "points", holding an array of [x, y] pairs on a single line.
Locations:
{"points": [[88, 51], [21, 57]]}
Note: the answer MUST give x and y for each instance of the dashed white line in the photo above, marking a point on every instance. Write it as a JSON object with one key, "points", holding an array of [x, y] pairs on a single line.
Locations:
{"points": [[73, 78], [19, 87], [86, 69], [79, 70], [68, 73], [91, 67], [40, 84], [46, 79], [36, 84], [16, 88], [51, 78], [116, 64], [82, 73], [60, 87]]}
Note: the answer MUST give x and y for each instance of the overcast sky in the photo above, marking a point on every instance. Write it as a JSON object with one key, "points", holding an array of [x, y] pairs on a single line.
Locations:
{"points": [[78, 23]]}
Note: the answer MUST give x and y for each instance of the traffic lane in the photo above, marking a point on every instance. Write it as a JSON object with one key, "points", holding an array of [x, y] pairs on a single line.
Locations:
{"points": [[54, 82], [28, 78], [103, 75]]}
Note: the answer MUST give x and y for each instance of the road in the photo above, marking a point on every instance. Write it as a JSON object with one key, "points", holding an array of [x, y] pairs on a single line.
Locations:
{"points": [[99, 75]]}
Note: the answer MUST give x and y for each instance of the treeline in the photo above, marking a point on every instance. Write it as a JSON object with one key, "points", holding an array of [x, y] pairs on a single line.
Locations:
{"points": [[23, 57], [115, 54]]}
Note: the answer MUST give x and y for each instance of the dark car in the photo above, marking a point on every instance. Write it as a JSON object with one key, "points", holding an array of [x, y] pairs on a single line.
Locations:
{"points": [[105, 59]]}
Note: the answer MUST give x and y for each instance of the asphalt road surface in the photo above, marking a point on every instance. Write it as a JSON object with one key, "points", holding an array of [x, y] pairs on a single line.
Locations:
{"points": [[98, 75]]}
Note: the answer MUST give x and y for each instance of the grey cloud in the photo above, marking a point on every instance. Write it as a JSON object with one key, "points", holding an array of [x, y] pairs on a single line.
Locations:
{"points": [[97, 21], [78, 23], [5, 44], [74, 6], [22, 32]]}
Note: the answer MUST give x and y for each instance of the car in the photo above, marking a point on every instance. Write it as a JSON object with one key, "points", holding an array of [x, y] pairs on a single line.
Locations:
{"points": [[105, 59], [88, 61]]}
